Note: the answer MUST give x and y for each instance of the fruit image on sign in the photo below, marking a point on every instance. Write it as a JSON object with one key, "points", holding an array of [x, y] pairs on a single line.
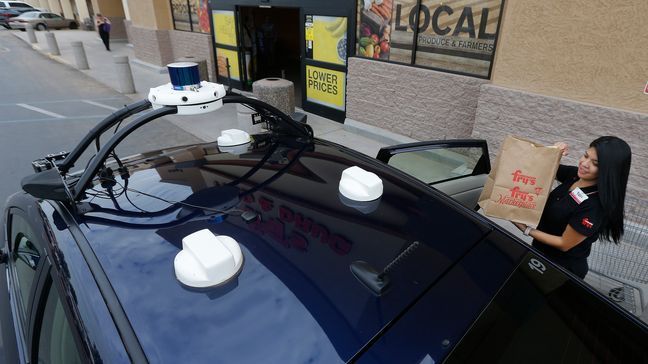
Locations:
{"points": [[329, 36], [375, 29]]}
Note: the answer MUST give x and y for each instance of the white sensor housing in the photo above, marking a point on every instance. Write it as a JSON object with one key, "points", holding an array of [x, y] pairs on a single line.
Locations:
{"points": [[201, 100], [359, 185], [232, 137], [207, 260]]}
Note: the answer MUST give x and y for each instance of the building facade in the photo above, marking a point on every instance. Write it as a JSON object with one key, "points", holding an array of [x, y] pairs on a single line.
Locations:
{"points": [[547, 70]]}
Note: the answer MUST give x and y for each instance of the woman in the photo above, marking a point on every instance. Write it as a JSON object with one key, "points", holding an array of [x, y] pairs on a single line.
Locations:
{"points": [[103, 25], [588, 204]]}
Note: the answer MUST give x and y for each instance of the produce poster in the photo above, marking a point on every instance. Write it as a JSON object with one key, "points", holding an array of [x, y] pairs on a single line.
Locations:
{"points": [[452, 35], [458, 36], [224, 27], [202, 14], [374, 30], [325, 87], [327, 37], [222, 55]]}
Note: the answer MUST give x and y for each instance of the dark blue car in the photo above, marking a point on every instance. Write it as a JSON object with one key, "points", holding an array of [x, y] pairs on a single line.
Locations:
{"points": [[94, 270]]}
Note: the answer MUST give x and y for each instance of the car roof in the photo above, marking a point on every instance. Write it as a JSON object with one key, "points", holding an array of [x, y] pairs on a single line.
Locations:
{"points": [[295, 299]]}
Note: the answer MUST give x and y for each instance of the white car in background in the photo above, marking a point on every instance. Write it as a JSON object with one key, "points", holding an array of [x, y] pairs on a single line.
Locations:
{"points": [[41, 21]]}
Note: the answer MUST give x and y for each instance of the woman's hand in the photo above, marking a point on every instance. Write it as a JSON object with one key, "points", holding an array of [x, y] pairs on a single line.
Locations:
{"points": [[520, 226], [564, 148]]}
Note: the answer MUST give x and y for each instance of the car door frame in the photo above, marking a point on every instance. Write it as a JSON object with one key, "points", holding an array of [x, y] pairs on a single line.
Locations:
{"points": [[483, 166], [23, 330], [459, 192]]}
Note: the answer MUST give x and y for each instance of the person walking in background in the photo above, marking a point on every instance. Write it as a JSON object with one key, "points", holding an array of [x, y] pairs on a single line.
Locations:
{"points": [[103, 26], [587, 205]]}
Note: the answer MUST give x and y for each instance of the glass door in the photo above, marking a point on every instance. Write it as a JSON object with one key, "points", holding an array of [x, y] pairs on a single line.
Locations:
{"points": [[327, 35], [227, 47]]}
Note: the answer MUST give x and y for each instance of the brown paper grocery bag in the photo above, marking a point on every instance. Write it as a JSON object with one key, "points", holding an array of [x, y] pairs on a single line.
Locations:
{"points": [[520, 181]]}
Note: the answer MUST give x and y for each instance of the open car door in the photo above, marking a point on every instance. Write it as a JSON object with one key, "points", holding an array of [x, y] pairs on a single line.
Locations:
{"points": [[456, 167]]}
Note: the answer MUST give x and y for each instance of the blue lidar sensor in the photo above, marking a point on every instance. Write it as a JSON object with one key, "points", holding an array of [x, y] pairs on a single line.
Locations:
{"points": [[184, 75]]}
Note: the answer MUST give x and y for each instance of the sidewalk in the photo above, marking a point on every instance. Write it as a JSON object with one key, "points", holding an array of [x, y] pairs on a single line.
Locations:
{"points": [[206, 127]]}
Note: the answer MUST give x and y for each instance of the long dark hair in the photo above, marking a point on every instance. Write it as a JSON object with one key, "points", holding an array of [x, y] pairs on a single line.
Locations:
{"points": [[614, 157]]}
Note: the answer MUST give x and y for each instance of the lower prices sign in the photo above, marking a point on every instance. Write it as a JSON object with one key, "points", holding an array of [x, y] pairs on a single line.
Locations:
{"points": [[325, 87]]}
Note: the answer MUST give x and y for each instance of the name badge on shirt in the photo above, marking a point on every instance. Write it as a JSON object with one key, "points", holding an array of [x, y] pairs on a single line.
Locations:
{"points": [[578, 195]]}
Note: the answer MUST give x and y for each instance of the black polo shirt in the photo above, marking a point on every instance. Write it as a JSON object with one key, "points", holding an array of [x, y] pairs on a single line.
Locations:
{"points": [[561, 209]]}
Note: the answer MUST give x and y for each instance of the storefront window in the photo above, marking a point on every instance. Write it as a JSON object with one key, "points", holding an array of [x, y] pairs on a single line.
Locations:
{"points": [[458, 36], [326, 39], [191, 15], [450, 36], [225, 44]]}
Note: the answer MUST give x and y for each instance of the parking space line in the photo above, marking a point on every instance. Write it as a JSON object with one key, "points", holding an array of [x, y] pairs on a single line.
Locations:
{"points": [[100, 105], [17, 121], [42, 111]]}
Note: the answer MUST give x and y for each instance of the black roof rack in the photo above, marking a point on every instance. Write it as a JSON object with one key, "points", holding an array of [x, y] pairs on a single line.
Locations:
{"points": [[49, 181]]}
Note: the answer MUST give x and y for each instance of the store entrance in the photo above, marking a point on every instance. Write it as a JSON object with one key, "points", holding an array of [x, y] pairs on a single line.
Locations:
{"points": [[271, 45]]}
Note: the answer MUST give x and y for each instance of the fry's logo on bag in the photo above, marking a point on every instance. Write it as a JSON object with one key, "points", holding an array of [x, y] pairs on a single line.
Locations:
{"points": [[519, 177], [518, 198], [588, 224]]}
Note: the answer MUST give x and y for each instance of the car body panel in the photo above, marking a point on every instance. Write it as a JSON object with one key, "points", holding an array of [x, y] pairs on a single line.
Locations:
{"points": [[296, 298], [8, 13], [434, 325], [88, 314], [35, 18], [297, 255]]}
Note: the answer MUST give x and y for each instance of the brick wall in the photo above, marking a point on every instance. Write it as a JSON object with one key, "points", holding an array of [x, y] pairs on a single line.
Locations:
{"points": [[197, 45], [502, 111], [161, 47], [415, 102], [117, 28], [151, 45]]}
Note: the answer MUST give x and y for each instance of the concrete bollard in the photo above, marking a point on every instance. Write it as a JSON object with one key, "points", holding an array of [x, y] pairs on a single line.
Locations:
{"points": [[80, 55], [124, 75], [202, 66], [51, 42], [31, 35], [277, 92]]}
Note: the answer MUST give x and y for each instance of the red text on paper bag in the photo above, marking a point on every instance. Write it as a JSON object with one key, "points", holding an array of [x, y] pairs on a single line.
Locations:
{"points": [[518, 197], [519, 177], [646, 89]]}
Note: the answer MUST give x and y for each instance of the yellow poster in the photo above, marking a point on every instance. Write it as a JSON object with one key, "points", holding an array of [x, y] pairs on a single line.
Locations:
{"points": [[329, 39], [224, 55], [325, 87], [224, 27]]}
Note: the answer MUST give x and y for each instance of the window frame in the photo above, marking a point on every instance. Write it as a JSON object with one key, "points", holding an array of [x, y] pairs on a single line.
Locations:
{"points": [[23, 316], [191, 20], [49, 283]]}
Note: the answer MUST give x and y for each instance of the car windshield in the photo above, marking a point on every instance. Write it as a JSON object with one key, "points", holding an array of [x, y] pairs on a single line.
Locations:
{"points": [[30, 14]]}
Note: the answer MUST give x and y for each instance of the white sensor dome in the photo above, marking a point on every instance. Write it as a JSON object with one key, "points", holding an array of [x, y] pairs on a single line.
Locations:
{"points": [[207, 260], [232, 137], [359, 185]]}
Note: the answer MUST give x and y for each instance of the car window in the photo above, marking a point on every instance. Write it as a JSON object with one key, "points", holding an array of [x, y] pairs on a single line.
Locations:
{"points": [[25, 256], [435, 165], [541, 316], [19, 5], [55, 16], [56, 343]]}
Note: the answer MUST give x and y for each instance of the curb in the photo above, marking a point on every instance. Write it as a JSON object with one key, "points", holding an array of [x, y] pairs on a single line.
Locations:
{"points": [[36, 47]]}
